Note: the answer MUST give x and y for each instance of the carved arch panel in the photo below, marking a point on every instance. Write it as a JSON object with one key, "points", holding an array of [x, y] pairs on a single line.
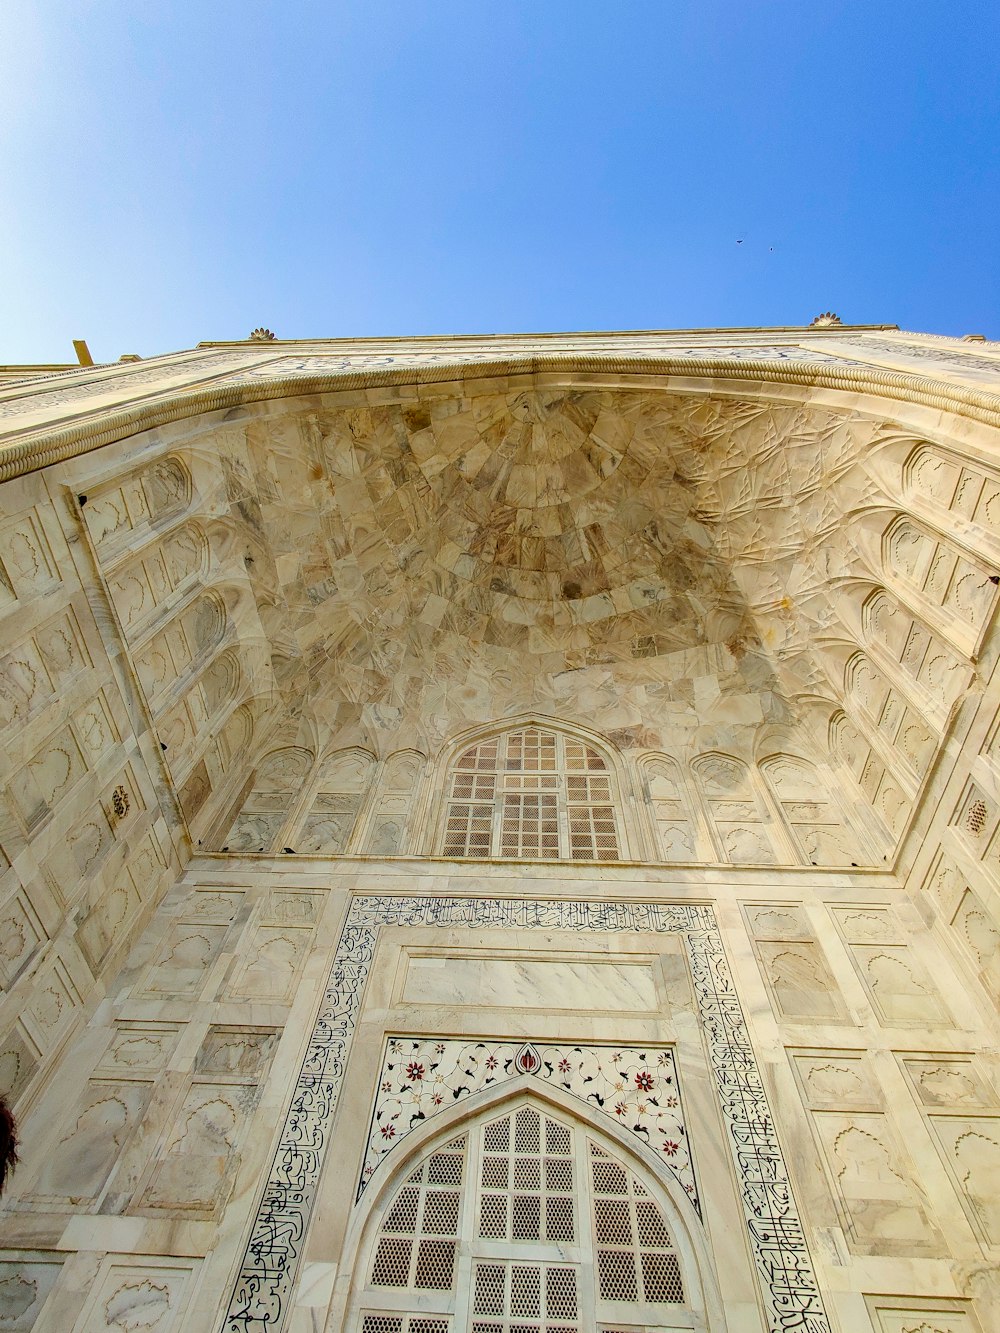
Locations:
{"points": [[670, 802], [275, 787], [395, 815], [956, 588], [811, 813], [743, 826], [953, 486], [878, 784], [344, 780], [524, 1218], [937, 671], [118, 512]]}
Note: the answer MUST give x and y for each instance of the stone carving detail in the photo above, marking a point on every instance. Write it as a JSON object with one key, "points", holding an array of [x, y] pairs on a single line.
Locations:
{"points": [[195, 1168], [276, 784], [822, 836], [171, 654], [95, 727], [21, 935], [886, 709], [133, 1295], [670, 802], [950, 581], [915, 1316], [271, 961], [27, 565], [184, 960], [832, 1080], [977, 819], [215, 906], [53, 1005], [794, 965], [18, 1064], [739, 817], [106, 925], [978, 933], [139, 1047], [948, 1081], [343, 783], [33, 673], [636, 1088], [79, 1168], [883, 1210], [969, 1143], [937, 670], [791, 1298], [124, 510], [944, 482], [971, 1149], [142, 586], [233, 1051], [24, 1285], [874, 778], [900, 991], [390, 828]]}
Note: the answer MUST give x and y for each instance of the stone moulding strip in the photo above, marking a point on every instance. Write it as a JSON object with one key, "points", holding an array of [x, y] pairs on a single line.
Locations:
{"points": [[262, 1296], [41, 448]]}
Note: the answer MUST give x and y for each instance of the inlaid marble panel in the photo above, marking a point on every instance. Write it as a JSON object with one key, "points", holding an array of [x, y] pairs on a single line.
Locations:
{"points": [[639, 1089]]}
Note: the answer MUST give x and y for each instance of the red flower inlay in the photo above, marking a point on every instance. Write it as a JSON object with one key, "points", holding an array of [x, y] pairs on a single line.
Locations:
{"points": [[414, 1072], [644, 1080], [670, 1147]]}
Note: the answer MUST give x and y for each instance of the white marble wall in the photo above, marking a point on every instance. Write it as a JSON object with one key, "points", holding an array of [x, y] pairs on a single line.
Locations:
{"points": [[269, 626]]}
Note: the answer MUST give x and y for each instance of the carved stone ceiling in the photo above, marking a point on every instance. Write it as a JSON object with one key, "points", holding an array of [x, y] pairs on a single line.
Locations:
{"points": [[641, 562]]}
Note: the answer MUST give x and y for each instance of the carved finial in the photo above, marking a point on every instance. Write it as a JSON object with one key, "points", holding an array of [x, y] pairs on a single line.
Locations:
{"points": [[826, 320], [261, 336]]}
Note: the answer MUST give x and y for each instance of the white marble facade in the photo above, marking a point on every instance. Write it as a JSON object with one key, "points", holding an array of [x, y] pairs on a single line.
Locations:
{"points": [[501, 834]]}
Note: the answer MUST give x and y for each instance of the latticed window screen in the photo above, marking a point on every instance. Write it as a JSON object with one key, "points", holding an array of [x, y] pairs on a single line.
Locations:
{"points": [[522, 1225], [533, 794]]}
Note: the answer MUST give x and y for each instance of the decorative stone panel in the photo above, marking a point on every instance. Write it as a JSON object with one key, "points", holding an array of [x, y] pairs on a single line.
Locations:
{"points": [[638, 1089]]}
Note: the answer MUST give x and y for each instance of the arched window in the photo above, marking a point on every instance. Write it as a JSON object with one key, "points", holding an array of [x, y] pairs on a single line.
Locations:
{"points": [[524, 1224], [534, 794]]}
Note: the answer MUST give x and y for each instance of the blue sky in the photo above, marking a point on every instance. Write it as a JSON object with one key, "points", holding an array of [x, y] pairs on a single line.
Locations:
{"points": [[179, 171]]}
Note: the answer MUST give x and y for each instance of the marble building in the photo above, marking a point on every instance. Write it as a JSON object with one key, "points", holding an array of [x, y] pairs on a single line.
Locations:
{"points": [[502, 835]]}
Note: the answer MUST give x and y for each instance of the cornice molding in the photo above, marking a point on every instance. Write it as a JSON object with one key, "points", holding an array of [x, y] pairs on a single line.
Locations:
{"points": [[37, 449]]}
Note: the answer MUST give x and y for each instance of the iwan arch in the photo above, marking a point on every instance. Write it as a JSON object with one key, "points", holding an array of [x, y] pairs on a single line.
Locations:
{"points": [[501, 834]]}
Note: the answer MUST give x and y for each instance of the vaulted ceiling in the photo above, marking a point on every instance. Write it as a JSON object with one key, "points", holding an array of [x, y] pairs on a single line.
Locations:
{"points": [[654, 564]]}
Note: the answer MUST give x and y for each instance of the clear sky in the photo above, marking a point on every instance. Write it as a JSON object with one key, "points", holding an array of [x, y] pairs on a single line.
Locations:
{"points": [[176, 170]]}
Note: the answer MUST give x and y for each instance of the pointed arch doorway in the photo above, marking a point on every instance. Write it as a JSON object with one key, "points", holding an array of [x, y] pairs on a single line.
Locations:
{"points": [[523, 1217]]}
